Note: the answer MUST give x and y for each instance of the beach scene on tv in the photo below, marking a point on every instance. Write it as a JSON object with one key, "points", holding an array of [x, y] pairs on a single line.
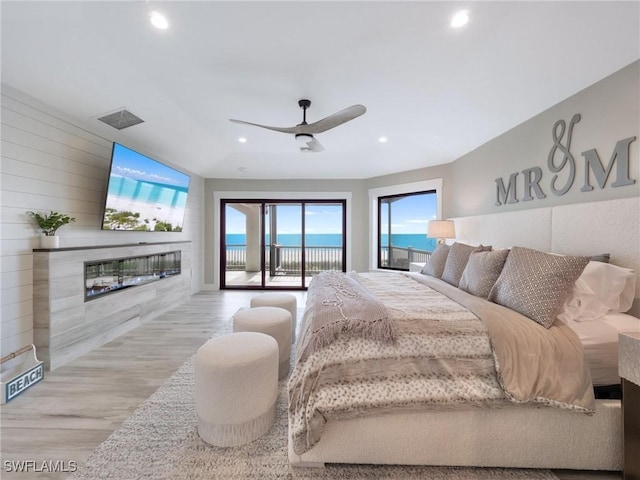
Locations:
{"points": [[144, 194]]}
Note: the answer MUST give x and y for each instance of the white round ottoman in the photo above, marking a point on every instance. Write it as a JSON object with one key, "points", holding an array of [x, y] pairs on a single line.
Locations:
{"points": [[273, 321], [282, 300], [236, 387]]}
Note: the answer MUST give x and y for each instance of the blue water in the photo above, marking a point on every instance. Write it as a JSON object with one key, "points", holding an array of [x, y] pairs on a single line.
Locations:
{"points": [[147, 192], [419, 241]]}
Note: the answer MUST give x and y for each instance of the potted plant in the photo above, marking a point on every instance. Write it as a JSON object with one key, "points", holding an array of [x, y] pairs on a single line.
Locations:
{"points": [[49, 223]]}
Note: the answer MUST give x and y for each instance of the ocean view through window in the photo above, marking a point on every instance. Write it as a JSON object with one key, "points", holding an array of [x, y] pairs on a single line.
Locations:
{"points": [[402, 229]]}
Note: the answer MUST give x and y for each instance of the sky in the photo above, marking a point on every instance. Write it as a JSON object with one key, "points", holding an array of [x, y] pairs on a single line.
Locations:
{"points": [[409, 215], [318, 219], [131, 164]]}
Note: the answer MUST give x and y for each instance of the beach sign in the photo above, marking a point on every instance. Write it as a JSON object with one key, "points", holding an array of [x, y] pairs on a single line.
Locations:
{"points": [[22, 376]]}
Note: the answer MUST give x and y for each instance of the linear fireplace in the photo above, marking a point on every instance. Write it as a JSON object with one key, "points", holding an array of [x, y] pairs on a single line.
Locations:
{"points": [[107, 276], [70, 317]]}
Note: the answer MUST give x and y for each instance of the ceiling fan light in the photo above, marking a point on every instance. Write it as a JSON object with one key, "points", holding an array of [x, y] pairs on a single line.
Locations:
{"points": [[303, 137]]}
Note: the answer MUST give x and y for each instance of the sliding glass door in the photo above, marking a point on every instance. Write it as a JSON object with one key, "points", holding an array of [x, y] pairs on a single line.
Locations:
{"points": [[280, 244], [324, 239]]}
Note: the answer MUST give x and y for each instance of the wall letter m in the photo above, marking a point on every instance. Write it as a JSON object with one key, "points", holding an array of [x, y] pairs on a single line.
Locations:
{"points": [[508, 194], [592, 163]]}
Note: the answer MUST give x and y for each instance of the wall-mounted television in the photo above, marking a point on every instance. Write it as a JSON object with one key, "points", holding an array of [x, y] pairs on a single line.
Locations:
{"points": [[143, 194]]}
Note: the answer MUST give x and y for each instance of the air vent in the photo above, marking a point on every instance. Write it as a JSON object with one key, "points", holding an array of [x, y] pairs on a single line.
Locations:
{"points": [[121, 119]]}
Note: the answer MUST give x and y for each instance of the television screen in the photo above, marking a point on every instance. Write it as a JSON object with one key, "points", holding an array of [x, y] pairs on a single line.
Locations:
{"points": [[143, 194]]}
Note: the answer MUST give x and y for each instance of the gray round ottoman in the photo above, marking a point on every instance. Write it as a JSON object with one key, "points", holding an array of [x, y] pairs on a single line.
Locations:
{"points": [[236, 388], [273, 321], [282, 300]]}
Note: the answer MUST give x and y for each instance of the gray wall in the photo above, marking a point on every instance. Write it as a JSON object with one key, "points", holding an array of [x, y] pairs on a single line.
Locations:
{"points": [[610, 111], [51, 162], [359, 217]]}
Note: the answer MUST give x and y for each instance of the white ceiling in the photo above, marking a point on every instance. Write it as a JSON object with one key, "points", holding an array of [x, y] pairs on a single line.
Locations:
{"points": [[434, 91]]}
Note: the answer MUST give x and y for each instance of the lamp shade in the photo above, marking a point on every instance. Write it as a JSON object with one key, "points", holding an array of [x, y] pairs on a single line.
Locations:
{"points": [[441, 229]]}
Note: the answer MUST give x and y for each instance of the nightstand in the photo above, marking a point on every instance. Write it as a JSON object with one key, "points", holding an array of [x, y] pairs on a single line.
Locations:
{"points": [[629, 370]]}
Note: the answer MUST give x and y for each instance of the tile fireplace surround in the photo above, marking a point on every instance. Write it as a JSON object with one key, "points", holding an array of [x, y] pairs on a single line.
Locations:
{"points": [[67, 326]]}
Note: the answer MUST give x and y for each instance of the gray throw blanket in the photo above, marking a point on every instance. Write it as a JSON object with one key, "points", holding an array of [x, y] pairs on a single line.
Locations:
{"points": [[342, 305]]}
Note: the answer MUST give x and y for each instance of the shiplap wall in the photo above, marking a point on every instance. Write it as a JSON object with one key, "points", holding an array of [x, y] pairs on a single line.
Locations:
{"points": [[51, 162]]}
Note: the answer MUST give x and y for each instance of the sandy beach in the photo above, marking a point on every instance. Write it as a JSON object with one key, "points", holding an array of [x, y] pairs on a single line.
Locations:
{"points": [[153, 212]]}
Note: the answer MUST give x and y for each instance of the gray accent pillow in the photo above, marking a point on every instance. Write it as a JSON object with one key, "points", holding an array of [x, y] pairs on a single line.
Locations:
{"points": [[457, 260], [536, 284], [482, 271], [435, 266]]}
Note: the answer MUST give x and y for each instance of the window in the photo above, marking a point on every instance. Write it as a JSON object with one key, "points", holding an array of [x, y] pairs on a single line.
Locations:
{"points": [[399, 218], [402, 229]]}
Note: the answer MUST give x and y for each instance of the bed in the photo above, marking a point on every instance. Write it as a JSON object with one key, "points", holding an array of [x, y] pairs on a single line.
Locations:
{"points": [[343, 409]]}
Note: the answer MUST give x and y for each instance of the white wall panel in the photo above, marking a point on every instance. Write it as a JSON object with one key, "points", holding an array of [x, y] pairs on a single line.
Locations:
{"points": [[530, 228], [17, 325], [77, 162], [22, 293], [20, 169], [603, 227], [11, 343], [610, 226], [13, 263], [16, 310]]}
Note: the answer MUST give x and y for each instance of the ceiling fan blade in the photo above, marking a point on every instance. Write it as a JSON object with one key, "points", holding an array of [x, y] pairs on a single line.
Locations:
{"points": [[334, 120], [277, 129], [313, 145]]}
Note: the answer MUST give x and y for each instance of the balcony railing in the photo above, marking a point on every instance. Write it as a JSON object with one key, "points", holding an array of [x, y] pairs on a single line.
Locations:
{"points": [[402, 257], [287, 260]]}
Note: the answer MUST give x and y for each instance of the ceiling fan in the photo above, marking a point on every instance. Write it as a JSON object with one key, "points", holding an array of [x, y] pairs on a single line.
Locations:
{"points": [[304, 131]]}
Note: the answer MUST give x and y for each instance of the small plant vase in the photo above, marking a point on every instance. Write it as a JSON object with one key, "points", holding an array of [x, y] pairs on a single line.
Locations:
{"points": [[49, 241]]}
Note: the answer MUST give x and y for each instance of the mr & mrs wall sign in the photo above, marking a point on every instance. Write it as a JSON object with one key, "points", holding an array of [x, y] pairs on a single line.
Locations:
{"points": [[561, 160]]}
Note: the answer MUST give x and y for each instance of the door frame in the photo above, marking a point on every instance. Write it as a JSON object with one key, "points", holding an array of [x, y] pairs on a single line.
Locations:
{"points": [[275, 196]]}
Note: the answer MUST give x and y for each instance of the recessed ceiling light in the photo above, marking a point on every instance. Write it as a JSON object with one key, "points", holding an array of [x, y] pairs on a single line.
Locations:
{"points": [[459, 19], [242, 140], [159, 21], [383, 139]]}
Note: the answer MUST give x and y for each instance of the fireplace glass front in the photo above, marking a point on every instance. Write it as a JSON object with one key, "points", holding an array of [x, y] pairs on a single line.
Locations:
{"points": [[107, 276]]}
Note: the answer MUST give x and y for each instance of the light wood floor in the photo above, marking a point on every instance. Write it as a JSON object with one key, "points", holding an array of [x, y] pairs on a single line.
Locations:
{"points": [[77, 406]]}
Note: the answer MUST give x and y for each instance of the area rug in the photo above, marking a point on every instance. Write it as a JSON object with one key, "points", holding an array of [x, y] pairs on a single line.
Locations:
{"points": [[160, 441]]}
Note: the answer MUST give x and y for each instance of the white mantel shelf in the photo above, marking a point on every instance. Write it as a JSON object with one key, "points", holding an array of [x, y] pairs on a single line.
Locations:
{"points": [[95, 247]]}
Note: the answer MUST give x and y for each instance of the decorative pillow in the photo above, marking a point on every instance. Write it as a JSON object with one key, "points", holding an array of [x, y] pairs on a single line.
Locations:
{"points": [[601, 288], [482, 271], [435, 266], [536, 284], [457, 260]]}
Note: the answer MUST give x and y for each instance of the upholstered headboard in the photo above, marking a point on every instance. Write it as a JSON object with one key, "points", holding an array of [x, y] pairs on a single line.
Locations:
{"points": [[611, 226]]}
